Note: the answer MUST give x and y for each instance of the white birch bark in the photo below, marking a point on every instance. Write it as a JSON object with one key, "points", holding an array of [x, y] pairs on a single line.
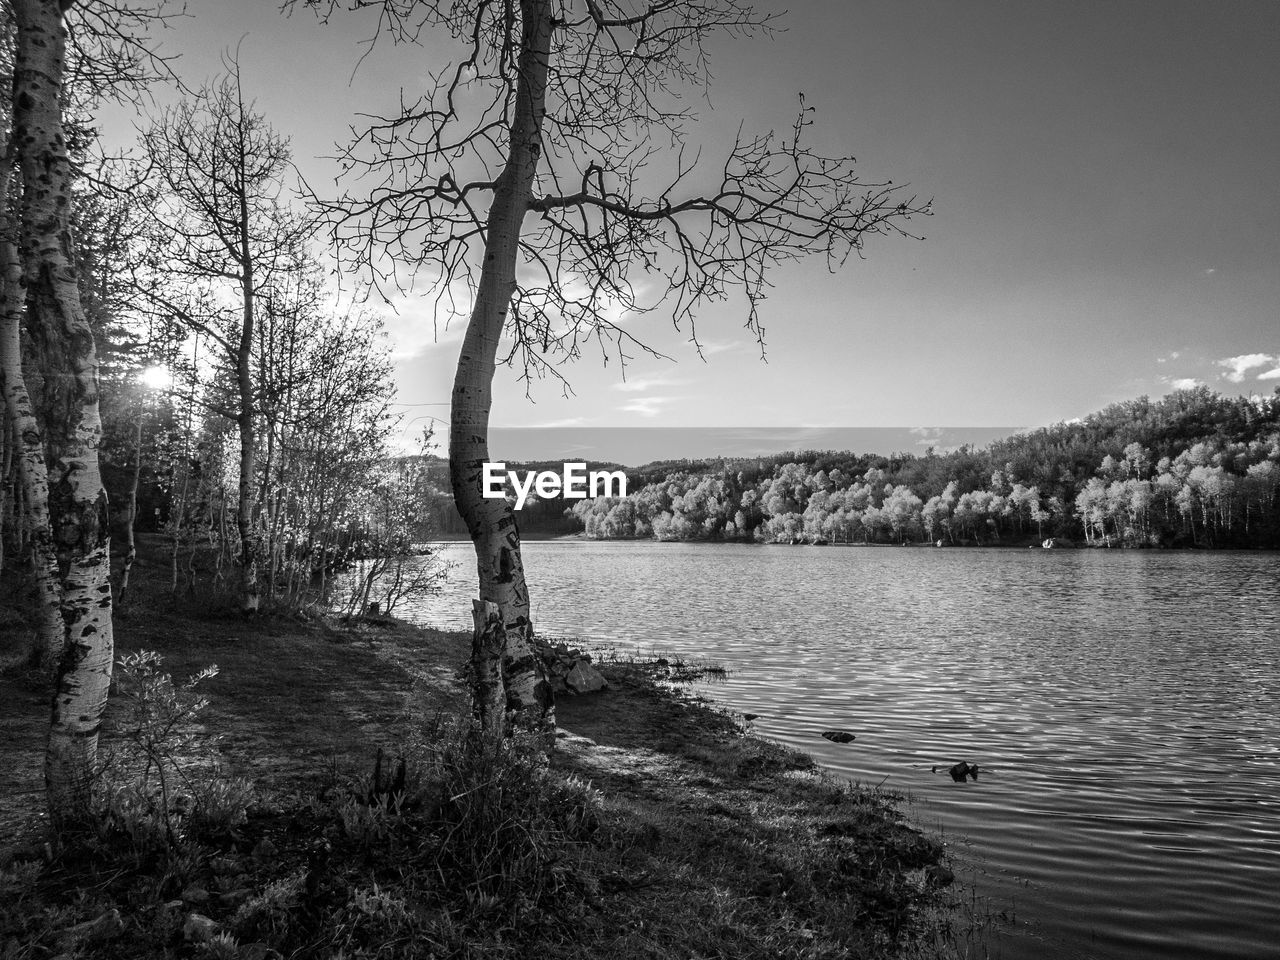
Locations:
{"points": [[488, 696], [64, 348], [492, 523], [32, 475], [249, 594]]}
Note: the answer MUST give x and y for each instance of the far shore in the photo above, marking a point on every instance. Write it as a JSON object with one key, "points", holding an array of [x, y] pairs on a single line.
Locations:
{"points": [[1032, 543]]}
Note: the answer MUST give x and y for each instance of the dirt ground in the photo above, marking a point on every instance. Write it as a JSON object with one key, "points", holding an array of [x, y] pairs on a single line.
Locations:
{"points": [[296, 702], [293, 701]]}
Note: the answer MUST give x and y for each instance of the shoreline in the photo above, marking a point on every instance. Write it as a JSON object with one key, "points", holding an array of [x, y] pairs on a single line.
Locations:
{"points": [[1033, 544], [702, 838]]}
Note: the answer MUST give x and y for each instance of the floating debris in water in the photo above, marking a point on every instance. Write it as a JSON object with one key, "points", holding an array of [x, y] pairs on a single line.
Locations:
{"points": [[961, 771], [839, 736]]}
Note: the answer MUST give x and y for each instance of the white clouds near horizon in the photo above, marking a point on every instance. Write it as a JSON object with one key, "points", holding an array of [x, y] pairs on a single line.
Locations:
{"points": [[647, 406], [1238, 367]]}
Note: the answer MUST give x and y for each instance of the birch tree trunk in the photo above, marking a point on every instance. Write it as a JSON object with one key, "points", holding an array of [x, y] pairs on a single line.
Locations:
{"points": [[8, 468], [249, 596], [492, 523], [29, 453], [488, 698], [64, 348]]}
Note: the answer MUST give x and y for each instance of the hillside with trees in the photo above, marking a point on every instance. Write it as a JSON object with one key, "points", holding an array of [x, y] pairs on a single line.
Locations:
{"points": [[1191, 469]]}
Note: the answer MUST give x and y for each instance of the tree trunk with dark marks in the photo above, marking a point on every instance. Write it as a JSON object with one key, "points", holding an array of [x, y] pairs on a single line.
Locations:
{"points": [[64, 348], [492, 523], [488, 697], [32, 476]]}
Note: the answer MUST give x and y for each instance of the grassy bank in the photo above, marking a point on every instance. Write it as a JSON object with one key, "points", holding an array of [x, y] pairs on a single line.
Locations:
{"points": [[330, 801]]}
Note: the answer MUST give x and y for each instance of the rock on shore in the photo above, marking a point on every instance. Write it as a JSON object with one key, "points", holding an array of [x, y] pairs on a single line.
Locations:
{"points": [[569, 671]]}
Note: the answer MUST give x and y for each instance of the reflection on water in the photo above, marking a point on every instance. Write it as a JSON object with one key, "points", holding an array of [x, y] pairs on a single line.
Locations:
{"points": [[1122, 706]]}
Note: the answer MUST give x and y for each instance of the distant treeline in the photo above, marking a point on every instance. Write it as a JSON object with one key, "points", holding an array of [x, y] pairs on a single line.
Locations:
{"points": [[540, 519], [1191, 469]]}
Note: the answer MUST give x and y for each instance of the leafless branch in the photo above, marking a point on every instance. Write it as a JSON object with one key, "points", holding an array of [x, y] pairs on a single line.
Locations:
{"points": [[626, 217]]}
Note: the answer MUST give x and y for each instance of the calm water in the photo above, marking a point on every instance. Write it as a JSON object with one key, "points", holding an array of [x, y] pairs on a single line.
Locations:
{"points": [[1124, 708]]}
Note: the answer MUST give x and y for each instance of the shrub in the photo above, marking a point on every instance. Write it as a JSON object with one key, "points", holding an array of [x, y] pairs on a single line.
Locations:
{"points": [[504, 825], [163, 774], [271, 913], [219, 804]]}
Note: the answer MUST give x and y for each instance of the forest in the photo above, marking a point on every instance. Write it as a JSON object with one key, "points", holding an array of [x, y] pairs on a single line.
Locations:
{"points": [[180, 357], [244, 399], [1193, 469]]}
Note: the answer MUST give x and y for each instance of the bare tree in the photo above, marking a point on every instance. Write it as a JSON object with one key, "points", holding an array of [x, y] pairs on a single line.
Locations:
{"points": [[221, 223], [547, 173], [325, 389]]}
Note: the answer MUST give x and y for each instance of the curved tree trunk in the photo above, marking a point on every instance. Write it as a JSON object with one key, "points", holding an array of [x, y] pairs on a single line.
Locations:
{"points": [[64, 347], [29, 455], [492, 523]]}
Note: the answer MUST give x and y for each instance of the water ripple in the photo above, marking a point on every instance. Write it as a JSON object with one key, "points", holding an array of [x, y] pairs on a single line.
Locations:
{"points": [[1123, 707]]}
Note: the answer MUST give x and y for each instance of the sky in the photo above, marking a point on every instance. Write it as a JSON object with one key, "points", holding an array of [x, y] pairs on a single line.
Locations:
{"points": [[1106, 211]]}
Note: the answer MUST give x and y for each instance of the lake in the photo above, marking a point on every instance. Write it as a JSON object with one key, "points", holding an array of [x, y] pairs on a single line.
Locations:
{"points": [[1124, 708]]}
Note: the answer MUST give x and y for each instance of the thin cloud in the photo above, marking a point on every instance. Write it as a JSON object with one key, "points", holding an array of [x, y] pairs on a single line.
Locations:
{"points": [[1270, 374], [414, 328], [711, 347], [647, 383], [1238, 367], [1185, 383], [647, 406], [566, 422]]}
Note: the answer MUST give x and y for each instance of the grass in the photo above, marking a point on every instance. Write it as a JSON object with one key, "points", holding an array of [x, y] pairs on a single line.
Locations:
{"points": [[348, 809]]}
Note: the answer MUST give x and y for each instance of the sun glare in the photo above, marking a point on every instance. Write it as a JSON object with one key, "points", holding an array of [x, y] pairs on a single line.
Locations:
{"points": [[156, 378]]}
